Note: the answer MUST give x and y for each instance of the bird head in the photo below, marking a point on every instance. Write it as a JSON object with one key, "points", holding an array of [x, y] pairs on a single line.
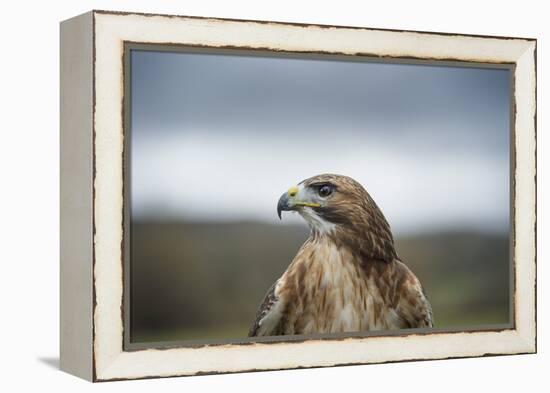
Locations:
{"points": [[339, 207]]}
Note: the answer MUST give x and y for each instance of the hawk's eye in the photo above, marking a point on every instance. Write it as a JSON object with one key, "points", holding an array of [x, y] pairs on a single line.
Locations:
{"points": [[325, 190]]}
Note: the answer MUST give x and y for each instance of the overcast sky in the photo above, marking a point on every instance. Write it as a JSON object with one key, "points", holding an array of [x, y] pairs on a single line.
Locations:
{"points": [[217, 137]]}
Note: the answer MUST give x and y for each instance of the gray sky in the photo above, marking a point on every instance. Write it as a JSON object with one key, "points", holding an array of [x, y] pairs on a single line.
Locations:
{"points": [[222, 137]]}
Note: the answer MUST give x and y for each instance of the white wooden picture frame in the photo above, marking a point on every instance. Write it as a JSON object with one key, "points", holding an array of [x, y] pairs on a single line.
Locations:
{"points": [[92, 194]]}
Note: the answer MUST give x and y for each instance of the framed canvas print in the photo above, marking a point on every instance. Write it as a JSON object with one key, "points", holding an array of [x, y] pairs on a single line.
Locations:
{"points": [[244, 195]]}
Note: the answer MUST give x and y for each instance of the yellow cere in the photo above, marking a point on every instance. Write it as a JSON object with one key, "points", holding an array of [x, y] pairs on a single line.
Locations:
{"points": [[292, 191]]}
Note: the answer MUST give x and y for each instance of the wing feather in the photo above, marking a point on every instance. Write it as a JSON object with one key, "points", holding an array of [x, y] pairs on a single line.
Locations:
{"points": [[269, 316], [413, 306]]}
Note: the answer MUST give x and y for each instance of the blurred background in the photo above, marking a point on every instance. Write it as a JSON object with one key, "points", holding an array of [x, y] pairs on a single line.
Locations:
{"points": [[216, 139]]}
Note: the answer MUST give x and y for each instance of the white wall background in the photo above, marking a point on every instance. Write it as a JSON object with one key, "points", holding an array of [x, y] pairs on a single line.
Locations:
{"points": [[29, 195]]}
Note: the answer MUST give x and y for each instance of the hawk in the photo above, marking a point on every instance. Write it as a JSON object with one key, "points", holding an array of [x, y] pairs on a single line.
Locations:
{"points": [[347, 276]]}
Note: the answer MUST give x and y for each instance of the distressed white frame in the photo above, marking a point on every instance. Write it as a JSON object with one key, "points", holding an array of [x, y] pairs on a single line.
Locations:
{"points": [[110, 31]]}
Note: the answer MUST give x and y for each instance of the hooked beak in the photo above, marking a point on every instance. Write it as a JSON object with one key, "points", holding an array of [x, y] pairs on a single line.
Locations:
{"points": [[289, 201], [283, 204]]}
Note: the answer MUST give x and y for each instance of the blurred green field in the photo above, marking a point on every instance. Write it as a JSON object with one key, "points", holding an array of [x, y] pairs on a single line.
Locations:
{"points": [[198, 281]]}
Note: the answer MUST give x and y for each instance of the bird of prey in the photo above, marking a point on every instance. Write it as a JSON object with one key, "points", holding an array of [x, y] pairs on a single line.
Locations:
{"points": [[347, 276]]}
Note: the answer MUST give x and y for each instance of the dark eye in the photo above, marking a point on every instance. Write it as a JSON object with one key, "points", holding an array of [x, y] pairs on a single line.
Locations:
{"points": [[325, 190]]}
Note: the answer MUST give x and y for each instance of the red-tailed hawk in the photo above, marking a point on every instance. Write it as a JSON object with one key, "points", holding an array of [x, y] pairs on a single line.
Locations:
{"points": [[347, 276]]}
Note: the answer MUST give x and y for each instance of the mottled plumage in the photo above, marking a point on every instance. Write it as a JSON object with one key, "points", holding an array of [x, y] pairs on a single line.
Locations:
{"points": [[347, 276]]}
